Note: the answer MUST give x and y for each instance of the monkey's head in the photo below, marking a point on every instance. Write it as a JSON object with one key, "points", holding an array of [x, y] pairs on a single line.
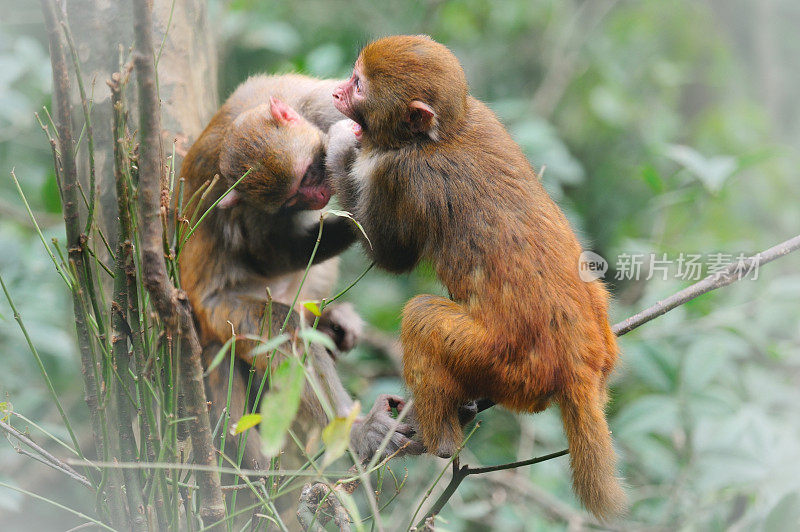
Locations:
{"points": [[284, 154], [404, 88]]}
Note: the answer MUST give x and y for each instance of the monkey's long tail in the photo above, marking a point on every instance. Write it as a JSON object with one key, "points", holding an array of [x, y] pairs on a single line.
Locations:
{"points": [[592, 454]]}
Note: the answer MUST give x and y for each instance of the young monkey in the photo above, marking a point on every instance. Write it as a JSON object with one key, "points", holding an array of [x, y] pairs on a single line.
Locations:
{"points": [[260, 236], [437, 177]]}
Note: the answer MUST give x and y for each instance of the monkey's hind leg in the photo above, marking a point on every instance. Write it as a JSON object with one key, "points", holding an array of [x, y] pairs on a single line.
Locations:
{"points": [[440, 366], [436, 401]]}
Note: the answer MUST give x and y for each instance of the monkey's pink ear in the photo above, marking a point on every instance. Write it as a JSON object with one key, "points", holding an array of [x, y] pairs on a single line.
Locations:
{"points": [[230, 199], [422, 118], [282, 113]]}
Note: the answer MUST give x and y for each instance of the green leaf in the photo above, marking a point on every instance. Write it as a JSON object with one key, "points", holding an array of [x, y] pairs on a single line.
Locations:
{"points": [[609, 106], [712, 172], [51, 197], [709, 357], [336, 435], [313, 336], [313, 308], [220, 356], [280, 405], [651, 176], [6, 408], [651, 413], [245, 422], [542, 144], [266, 346], [345, 214]]}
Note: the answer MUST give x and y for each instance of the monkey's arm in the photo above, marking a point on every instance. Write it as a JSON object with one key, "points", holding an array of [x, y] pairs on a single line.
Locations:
{"points": [[287, 246], [337, 235], [340, 156], [397, 249]]}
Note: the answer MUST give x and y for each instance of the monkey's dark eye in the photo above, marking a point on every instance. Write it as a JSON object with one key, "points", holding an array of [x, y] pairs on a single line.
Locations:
{"points": [[357, 83]]}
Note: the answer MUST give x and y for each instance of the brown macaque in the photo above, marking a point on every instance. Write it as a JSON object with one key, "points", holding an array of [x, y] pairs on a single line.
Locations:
{"points": [[260, 237], [431, 174]]}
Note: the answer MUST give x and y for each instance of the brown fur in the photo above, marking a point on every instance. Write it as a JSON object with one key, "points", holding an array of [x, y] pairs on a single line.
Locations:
{"points": [[236, 253], [260, 241], [520, 328]]}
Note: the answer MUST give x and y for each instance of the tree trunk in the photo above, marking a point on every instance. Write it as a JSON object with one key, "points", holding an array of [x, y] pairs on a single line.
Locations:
{"points": [[187, 76]]}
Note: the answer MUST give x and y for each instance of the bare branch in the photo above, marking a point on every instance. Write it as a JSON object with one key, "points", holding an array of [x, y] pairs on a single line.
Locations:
{"points": [[171, 304], [68, 174], [735, 272], [44, 456]]}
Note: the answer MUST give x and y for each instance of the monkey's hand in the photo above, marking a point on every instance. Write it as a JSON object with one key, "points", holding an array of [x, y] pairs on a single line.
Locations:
{"points": [[312, 516], [368, 432], [342, 146], [343, 324], [340, 156]]}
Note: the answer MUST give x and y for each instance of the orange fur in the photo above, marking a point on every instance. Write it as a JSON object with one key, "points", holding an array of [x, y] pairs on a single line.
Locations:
{"points": [[520, 328]]}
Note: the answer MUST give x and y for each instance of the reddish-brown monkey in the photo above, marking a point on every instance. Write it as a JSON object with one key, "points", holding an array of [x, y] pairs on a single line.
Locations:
{"points": [[261, 236], [437, 177]]}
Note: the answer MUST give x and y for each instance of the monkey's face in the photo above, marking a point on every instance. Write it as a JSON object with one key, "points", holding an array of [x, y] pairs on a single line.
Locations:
{"points": [[404, 88], [310, 188], [282, 155], [349, 99]]}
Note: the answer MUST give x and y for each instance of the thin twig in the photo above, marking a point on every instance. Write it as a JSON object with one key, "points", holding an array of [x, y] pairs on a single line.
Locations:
{"points": [[57, 505], [37, 458], [46, 457], [42, 370], [126, 291], [121, 356], [67, 173], [736, 271]]}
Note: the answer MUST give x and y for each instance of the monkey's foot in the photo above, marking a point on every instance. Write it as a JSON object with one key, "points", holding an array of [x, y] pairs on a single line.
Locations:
{"points": [[446, 449], [343, 324], [317, 505], [467, 412], [449, 441]]}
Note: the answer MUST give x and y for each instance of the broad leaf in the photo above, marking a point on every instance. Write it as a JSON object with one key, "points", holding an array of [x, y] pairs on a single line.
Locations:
{"points": [[279, 406], [313, 308], [220, 355], [712, 172], [313, 336], [336, 435], [245, 422]]}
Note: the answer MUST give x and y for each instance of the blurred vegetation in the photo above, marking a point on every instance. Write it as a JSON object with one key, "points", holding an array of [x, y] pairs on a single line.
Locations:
{"points": [[665, 127]]}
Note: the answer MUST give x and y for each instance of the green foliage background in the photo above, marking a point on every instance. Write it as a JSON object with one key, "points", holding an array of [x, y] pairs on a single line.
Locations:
{"points": [[665, 127]]}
